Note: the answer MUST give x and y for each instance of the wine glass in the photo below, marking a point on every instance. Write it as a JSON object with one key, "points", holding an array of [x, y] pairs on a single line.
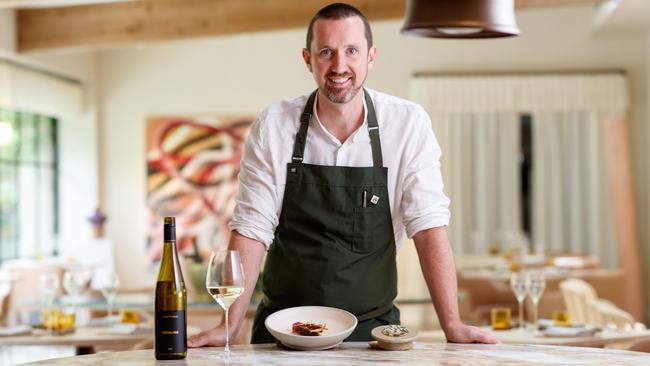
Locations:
{"points": [[49, 286], [519, 285], [74, 281], [108, 285], [225, 282], [536, 286]]}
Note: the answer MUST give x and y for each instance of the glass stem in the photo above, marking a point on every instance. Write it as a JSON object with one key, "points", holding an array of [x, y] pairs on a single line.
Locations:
{"points": [[227, 349], [50, 315], [110, 307], [535, 313], [521, 314]]}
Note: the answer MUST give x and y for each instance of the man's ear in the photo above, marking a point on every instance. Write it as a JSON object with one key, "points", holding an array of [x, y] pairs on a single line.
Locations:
{"points": [[307, 57], [372, 53]]}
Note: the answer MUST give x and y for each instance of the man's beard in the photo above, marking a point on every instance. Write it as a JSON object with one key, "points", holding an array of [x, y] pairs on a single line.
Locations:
{"points": [[336, 96]]}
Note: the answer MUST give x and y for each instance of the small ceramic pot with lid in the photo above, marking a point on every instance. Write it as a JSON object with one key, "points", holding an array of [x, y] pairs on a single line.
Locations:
{"points": [[393, 337]]}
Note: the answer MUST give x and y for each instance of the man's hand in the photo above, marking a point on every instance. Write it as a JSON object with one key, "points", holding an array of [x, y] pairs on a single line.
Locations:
{"points": [[467, 334], [437, 262], [213, 337]]}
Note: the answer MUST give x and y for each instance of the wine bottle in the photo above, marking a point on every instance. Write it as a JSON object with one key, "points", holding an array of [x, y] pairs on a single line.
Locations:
{"points": [[171, 301]]}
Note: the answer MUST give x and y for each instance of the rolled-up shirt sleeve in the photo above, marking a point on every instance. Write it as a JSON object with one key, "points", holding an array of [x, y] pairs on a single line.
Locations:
{"points": [[424, 203], [255, 214]]}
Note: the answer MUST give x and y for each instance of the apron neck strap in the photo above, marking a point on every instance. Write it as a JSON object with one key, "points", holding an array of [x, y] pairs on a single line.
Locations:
{"points": [[305, 117], [373, 131]]}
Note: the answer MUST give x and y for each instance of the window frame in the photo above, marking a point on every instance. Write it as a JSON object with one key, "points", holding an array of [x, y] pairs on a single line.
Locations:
{"points": [[41, 163]]}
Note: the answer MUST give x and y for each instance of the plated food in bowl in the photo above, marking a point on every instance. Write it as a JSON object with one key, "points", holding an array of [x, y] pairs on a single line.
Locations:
{"points": [[308, 328], [327, 327]]}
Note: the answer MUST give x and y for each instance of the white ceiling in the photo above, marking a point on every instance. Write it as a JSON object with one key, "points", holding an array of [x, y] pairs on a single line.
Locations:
{"points": [[622, 17]]}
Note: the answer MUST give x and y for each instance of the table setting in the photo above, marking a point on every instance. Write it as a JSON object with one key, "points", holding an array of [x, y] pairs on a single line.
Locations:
{"points": [[316, 335]]}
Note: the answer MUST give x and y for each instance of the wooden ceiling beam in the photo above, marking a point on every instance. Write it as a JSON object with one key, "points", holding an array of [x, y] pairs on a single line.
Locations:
{"points": [[123, 23]]}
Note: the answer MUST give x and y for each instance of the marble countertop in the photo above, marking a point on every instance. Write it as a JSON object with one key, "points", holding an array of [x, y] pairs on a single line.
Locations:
{"points": [[357, 353], [517, 336]]}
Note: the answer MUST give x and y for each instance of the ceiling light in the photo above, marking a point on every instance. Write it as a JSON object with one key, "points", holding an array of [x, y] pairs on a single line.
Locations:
{"points": [[460, 18]]}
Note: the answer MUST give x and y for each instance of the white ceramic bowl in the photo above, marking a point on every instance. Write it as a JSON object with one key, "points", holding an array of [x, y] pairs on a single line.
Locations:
{"points": [[340, 324]]}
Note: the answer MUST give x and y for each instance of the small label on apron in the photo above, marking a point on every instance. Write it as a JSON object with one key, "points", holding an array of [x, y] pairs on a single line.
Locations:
{"points": [[374, 199]]}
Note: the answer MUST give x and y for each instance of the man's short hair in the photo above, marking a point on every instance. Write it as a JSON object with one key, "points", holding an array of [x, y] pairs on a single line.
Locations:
{"points": [[338, 11]]}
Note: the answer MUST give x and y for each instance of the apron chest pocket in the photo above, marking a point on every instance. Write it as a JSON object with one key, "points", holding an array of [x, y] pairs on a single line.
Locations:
{"points": [[371, 231]]}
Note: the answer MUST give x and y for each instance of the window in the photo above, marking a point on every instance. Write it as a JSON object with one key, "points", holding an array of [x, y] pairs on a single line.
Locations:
{"points": [[28, 185]]}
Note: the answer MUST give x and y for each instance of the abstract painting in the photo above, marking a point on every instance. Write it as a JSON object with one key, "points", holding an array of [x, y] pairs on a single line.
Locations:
{"points": [[192, 169]]}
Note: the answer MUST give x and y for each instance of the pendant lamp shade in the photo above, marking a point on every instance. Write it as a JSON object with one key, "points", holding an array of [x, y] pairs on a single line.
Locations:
{"points": [[460, 18]]}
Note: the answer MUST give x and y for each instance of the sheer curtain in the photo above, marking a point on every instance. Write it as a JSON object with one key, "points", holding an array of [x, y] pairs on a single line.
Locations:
{"points": [[571, 193], [477, 122]]}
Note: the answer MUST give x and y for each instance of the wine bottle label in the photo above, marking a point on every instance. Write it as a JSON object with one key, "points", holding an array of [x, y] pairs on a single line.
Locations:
{"points": [[170, 332]]}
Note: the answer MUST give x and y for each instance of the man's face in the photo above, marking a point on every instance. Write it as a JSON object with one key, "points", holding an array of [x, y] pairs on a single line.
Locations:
{"points": [[339, 58]]}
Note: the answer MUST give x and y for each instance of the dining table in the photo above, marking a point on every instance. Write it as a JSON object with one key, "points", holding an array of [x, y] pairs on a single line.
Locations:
{"points": [[87, 340], [360, 354], [84, 339]]}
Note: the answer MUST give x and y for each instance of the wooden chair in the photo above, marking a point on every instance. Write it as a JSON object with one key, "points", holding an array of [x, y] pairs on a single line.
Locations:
{"points": [[606, 313], [27, 287], [577, 294], [483, 294], [5, 289]]}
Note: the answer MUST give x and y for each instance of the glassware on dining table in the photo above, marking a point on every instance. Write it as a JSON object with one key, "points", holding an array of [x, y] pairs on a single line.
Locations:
{"points": [[519, 285], [561, 318], [49, 286], [225, 283], [59, 320], [108, 285], [75, 281], [536, 286], [500, 318]]}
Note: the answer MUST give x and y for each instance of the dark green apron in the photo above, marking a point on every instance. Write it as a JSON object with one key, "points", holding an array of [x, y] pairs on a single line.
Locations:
{"points": [[334, 243]]}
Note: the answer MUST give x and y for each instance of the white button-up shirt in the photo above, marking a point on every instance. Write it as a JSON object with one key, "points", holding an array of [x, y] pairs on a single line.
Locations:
{"points": [[410, 151]]}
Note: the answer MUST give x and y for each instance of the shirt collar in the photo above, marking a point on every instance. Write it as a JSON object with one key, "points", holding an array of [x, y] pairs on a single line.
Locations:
{"points": [[360, 135]]}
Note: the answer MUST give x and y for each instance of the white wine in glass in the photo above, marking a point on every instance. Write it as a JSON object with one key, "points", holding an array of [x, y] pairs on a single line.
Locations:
{"points": [[225, 295], [225, 282], [519, 285], [537, 284]]}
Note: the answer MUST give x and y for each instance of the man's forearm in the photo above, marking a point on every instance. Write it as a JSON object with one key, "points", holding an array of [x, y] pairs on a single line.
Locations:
{"points": [[437, 262], [251, 253]]}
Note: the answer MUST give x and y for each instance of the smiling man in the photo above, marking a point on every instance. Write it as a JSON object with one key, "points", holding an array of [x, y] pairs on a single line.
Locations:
{"points": [[331, 184]]}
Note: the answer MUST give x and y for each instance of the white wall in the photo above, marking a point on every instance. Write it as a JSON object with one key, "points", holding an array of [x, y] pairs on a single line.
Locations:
{"points": [[78, 170], [243, 74], [68, 96], [7, 30]]}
